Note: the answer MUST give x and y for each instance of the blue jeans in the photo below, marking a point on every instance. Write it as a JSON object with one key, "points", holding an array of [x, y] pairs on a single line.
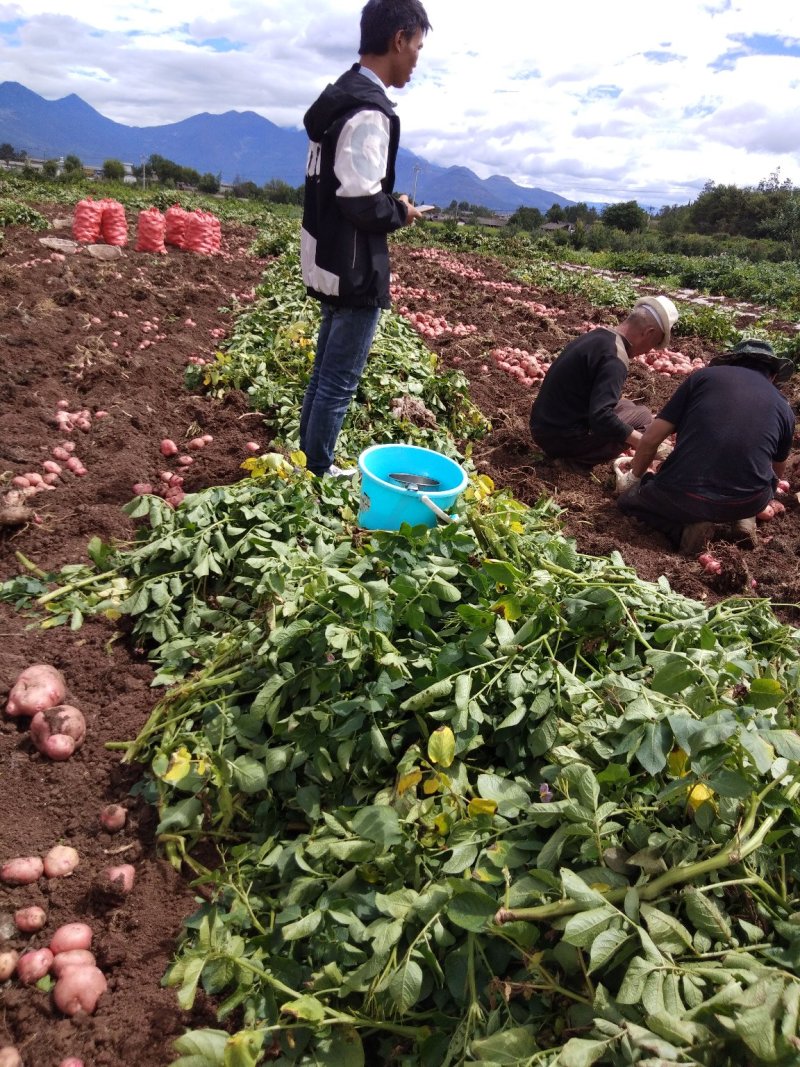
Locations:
{"points": [[343, 344]]}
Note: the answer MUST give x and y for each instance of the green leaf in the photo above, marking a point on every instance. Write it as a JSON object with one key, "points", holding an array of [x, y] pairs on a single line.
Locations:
{"points": [[250, 775], [180, 816], [511, 1046], [582, 929], [201, 1048], [632, 988], [580, 1052], [471, 909], [304, 927], [706, 916], [244, 1049], [580, 892], [667, 932], [406, 985], [676, 675], [307, 1008], [655, 746], [378, 823], [425, 697], [605, 946]]}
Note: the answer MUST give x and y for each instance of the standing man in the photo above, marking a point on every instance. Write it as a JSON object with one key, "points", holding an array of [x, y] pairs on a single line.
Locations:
{"points": [[578, 418], [734, 434], [348, 211]]}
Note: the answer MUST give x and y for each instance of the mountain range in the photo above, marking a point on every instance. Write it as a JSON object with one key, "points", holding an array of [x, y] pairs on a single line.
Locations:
{"points": [[237, 145]]}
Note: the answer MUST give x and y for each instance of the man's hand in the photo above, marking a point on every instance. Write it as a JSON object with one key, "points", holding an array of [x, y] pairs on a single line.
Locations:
{"points": [[413, 213], [625, 478]]}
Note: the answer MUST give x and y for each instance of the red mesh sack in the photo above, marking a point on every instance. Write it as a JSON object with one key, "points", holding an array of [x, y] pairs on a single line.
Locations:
{"points": [[114, 225], [199, 233], [150, 231], [87, 221], [176, 226], [216, 230]]}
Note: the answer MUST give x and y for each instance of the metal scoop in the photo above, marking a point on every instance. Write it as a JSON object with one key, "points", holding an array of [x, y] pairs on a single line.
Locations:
{"points": [[415, 481]]}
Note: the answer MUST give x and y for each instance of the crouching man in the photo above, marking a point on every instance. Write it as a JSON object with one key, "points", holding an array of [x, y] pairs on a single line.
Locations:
{"points": [[734, 434], [578, 418]]}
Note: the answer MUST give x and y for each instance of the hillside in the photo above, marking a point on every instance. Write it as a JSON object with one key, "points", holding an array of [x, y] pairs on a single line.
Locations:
{"points": [[235, 145]]}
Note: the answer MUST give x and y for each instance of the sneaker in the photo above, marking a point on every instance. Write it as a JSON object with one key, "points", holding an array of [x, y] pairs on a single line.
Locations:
{"points": [[743, 531], [341, 472], [695, 537]]}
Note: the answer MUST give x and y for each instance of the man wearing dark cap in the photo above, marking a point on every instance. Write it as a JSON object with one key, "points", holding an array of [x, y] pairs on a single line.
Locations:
{"points": [[578, 418], [734, 434]]}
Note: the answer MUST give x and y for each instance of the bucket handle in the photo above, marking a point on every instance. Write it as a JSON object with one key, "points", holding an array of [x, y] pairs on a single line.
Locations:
{"points": [[437, 511]]}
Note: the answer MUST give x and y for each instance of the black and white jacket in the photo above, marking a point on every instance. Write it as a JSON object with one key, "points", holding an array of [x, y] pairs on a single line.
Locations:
{"points": [[348, 208]]}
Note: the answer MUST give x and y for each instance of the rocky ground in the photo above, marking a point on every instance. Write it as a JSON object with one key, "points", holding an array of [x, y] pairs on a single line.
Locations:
{"points": [[112, 337]]}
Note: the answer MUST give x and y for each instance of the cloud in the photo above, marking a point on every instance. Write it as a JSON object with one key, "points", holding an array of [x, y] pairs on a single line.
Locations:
{"points": [[583, 104]]}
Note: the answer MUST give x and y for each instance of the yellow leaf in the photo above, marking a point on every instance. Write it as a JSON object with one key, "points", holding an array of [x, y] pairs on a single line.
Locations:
{"points": [[700, 794], [112, 615], [678, 763], [442, 825], [298, 458], [180, 763], [442, 746], [480, 806], [249, 464], [408, 781], [430, 786]]}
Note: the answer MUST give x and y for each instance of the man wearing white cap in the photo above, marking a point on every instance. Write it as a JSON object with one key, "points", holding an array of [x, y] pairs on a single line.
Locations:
{"points": [[578, 418]]}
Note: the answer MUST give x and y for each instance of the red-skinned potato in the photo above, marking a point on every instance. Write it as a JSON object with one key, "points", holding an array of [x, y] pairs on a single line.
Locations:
{"points": [[74, 957], [38, 688], [24, 870], [79, 989], [9, 1057], [113, 817], [71, 1061], [31, 966], [29, 920], [8, 963], [119, 879], [50, 728], [61, 861], [70, 936]]}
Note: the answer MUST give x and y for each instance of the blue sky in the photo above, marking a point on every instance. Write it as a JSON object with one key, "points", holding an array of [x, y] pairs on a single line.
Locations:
{"points": [[603, 102]]}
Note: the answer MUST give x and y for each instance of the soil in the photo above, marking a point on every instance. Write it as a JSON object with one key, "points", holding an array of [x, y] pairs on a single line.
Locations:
{"points": [[72, 329]]}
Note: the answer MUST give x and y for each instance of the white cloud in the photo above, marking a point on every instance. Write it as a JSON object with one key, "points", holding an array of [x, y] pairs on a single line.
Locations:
{"points": [[591, 101]]}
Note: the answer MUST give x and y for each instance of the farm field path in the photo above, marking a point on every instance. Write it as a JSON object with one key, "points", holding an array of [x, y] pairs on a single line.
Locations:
{"points": [[115, 336]]}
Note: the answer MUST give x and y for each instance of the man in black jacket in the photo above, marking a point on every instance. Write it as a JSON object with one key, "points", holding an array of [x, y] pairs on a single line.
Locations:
{"points": [[348, 211], [734, 434], [578, 418]]}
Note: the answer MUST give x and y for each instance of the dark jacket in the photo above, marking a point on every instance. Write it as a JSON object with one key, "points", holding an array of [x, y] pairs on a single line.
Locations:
{"points": [[348, 208], [581, 389]]}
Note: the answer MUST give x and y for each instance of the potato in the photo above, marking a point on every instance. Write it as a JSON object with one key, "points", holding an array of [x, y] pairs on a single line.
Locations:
{"points": [[79, 989], [60, 861], [50, 728], [119, 879], [113, 817], [8, 963], [29, 920], [24, 870], [37, 688], [9, 1057], [31, 966], [72, 1061], [70, 936], [74, 957]]}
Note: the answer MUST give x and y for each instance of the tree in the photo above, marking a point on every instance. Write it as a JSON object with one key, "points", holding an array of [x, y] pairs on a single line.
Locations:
{"points": [[7, 151], [113, 170], [50, 169], [209, 183], [526, 218], [277, 191], [73, 167], [555, 213], [628, 217]]}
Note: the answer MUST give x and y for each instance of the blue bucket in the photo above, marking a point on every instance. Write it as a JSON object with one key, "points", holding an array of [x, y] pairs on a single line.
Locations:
{"points": [[387, 501]]}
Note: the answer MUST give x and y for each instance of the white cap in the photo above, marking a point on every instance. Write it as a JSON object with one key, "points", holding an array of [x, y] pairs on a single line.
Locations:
{"points": [[663, 311]]}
